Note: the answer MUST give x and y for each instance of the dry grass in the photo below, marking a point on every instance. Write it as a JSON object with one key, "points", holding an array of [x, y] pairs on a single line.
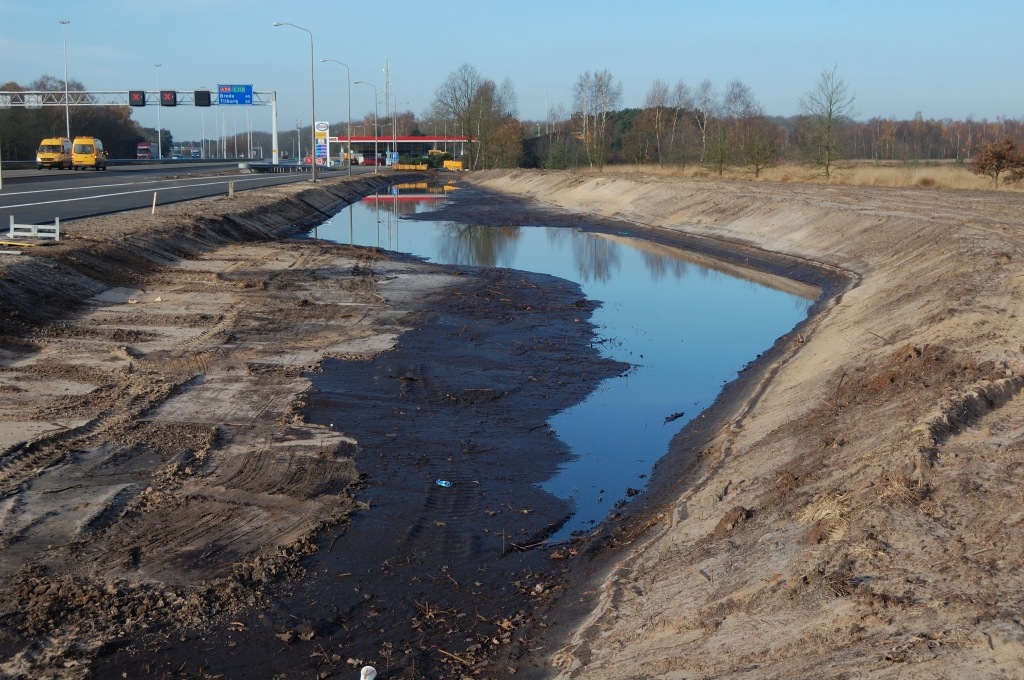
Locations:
{"points": [[829, 512], [856, 173]]}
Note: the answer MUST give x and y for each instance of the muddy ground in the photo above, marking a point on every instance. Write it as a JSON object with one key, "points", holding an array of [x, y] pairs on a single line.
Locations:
{"points": [[221, 447], [852, 506]]}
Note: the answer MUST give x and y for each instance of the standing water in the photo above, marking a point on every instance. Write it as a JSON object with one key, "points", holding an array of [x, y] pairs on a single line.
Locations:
{"points": [[684, 329]]}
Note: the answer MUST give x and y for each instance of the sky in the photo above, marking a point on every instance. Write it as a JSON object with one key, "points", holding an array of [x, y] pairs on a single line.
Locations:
{"points": [[945, 59]]}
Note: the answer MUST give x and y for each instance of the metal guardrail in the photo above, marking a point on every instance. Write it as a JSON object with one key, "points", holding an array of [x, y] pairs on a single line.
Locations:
{"points": [[269, 167], [31, 165]]}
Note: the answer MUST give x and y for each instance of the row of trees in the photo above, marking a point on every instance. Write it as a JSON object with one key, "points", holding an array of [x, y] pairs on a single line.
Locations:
{"points": [[680, 125], [21, 129]]}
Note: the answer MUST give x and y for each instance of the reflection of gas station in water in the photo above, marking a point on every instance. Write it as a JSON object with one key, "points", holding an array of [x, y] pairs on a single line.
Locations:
{"points": [[405, 198]]}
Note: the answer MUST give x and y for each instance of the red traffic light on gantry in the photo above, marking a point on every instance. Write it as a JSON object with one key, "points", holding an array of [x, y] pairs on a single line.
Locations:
{"points": [[168, 98], [137, 98]]}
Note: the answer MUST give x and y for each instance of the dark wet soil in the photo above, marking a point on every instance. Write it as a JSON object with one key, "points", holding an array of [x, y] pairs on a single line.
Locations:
{"points": [[429, 581]]}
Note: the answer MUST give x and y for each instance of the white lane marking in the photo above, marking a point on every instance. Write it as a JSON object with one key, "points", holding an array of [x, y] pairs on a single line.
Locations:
{"points": [[102, 186], [125, 193]]}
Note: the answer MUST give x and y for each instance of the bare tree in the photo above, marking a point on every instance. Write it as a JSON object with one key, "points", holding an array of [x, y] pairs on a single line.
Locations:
{"points": [[681, 100], [508, 100], [760, 143], [705, 103], [455, 97], [657, 102], [828, 107], [738, 101], [594, 97]]}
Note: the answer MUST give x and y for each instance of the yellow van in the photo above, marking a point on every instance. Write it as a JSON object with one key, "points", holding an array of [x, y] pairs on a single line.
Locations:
{"points": [[54, 152], [87, 152]]}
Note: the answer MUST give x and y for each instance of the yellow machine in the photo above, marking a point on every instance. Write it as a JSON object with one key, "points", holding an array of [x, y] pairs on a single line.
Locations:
{"points": [[453, 165], [54, 152]]}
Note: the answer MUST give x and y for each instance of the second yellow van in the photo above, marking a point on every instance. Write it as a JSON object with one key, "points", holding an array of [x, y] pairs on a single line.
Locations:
{"points": [[87, 152], [54, 152]]}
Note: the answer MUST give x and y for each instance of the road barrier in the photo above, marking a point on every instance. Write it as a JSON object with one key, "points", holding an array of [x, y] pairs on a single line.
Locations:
{"points": [[267, 167], [35, 230], [410, 166], [113, 162]]}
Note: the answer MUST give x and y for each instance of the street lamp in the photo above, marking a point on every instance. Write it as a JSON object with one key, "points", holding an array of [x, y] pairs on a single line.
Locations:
{"points": [[376, 158], [394, 122], [312, 94], [202, 118], [159, 129], [67, 108], [348, 76]]}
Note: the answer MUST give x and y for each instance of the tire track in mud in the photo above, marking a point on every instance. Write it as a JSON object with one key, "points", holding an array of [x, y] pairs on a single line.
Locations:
{"points": [[425, 568]]}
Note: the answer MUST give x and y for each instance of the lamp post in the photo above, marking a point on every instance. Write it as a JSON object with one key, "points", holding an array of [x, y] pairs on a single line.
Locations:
{"points": [[547, 116], [67, 107], [159, 129], [348, 79], [394, 121], [202, 118], [312, 94], [376, 158]]}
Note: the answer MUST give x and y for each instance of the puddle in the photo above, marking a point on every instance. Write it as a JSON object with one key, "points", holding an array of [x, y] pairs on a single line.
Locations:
{"points": [[683, 327]]}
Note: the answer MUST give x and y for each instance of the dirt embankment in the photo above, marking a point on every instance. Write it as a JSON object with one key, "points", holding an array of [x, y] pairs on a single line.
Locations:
{"points": [[853, 507], [149, 444], [183, 492]]}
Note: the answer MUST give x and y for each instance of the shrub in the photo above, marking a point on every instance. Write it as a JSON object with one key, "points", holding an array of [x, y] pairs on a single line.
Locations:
{"points": [[999, 158]]}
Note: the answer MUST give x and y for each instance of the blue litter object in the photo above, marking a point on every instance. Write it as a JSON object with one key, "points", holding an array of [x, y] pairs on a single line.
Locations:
{"points": [[443, 483]]}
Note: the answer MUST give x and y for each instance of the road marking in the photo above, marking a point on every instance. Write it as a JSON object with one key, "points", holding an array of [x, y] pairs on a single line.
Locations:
{"points": [[102, 186], [125, 193]]}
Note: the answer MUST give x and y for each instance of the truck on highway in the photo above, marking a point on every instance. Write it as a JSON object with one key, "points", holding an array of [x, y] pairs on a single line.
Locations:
{"points": [[146, 150]]}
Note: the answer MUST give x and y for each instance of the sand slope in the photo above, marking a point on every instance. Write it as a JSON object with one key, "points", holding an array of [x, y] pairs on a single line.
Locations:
{"points": [[862, 516]]}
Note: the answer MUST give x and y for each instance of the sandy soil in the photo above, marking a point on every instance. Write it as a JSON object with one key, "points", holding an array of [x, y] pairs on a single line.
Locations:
{"points": [[219, 447], [153, 466], [852, 506]]}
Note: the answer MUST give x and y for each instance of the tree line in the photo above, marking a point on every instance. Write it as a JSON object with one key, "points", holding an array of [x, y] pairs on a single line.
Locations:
{"points": [[22, 129], [681, 125]]}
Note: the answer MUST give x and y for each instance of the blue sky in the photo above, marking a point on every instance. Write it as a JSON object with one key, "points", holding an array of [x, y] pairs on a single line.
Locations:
{"points": [[946, 59]]}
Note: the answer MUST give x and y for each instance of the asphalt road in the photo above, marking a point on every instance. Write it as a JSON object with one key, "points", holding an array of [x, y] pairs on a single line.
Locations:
{"points": [[37, 196]]}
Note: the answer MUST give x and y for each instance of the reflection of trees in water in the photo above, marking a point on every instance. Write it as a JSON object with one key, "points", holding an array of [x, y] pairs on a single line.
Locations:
{"points": [[802, 305], [596, 258], [481, 246], [660, 266]]}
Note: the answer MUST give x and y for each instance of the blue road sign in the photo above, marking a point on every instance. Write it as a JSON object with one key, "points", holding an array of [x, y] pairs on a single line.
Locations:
{"points": [[234, 94]]}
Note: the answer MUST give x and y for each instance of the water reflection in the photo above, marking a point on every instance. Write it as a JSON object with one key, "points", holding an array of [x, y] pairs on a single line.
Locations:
{"points": [[481, 246], [685, 335]]}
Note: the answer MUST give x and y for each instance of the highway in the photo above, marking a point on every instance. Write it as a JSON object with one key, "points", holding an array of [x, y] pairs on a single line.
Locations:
{"points": [[38, 196]]}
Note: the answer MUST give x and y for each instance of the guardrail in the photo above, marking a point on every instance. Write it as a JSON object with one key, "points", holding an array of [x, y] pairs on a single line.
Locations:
{"points": [[31, 165], [269, 167], [35, 230]]}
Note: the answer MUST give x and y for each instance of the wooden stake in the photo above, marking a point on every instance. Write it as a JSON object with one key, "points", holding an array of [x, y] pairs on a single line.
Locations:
{"points": [[153, 211]]}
